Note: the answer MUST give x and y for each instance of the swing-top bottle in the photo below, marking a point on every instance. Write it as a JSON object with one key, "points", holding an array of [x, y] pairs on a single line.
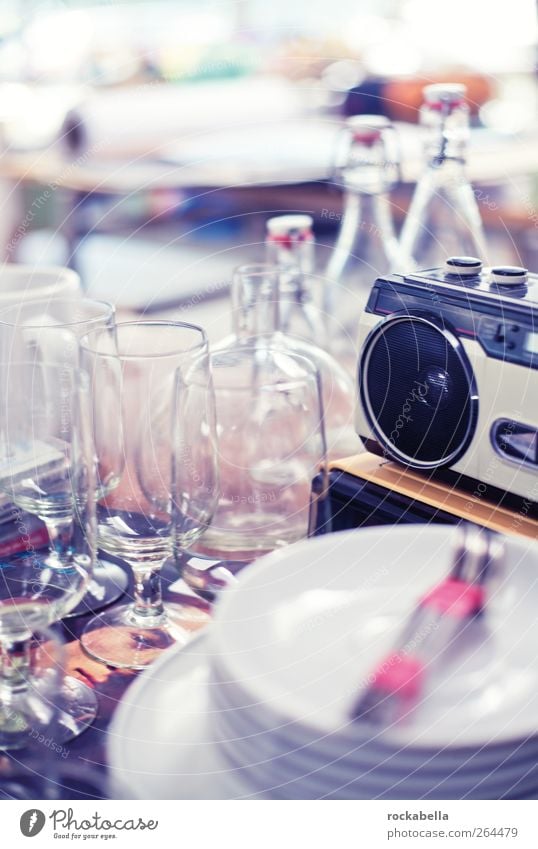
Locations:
{"points": [[290, 246], [366, 168], [443, 218]]}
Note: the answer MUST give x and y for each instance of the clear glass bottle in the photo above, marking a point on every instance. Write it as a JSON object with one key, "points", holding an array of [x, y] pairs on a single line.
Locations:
{"points": [[255, 321], [290, 246], [367, 167], [443, 218]]}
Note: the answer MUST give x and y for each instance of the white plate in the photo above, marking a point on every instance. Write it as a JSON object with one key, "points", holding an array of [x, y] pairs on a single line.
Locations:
{"points": [[307, 624], [413, 765], [159, 746], [300, 626]]}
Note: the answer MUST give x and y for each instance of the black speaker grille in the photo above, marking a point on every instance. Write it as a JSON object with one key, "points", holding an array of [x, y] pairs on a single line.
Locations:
{"points": [[418, 392]]}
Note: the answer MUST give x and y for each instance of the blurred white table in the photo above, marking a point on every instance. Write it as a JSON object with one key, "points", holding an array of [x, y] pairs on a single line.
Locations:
{"points": [[277, 154]]}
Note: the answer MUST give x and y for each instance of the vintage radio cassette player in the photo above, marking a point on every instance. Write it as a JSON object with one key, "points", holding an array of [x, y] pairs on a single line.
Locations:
{"points": [[448, 375]]}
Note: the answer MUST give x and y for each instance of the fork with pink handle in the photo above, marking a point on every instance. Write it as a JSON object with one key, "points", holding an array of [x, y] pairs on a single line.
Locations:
{"points": [[439, 619]]}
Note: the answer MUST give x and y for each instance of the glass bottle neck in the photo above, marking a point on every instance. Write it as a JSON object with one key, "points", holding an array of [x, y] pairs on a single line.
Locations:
{"points": [[255, 308], [368, 216], [366, 236], [446, 135], [441, 150], [369, 180], [296, 254]]}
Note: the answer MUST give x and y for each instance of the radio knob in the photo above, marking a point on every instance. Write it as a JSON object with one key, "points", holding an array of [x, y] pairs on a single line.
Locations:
{"points": [[463, 266], [508, 275]]}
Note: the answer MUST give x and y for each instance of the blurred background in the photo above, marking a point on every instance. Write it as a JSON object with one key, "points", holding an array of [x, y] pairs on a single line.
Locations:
{"points": [[146, 143]]}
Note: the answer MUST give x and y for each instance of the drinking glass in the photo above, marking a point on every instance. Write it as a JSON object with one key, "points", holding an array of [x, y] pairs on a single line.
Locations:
{"points": [[49, 331], [31, 663], [32, 659], [47, 470], [167, 485], [271, 445]]}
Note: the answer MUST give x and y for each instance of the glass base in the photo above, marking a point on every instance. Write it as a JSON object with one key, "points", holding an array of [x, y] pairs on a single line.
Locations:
{"points": [[16, 727], [109, 582], [118, 639], [75, 708]]}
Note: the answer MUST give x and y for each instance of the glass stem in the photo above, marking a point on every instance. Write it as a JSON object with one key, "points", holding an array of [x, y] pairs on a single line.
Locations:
{"points": [[15, 664], [148, 601], [60, 535]]}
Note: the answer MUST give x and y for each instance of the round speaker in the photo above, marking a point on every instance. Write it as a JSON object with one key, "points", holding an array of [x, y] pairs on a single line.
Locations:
{"points": [[418, 391]]}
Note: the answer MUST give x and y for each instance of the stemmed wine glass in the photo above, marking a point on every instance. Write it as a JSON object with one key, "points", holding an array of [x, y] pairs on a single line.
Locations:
{"points": [[49, 330], [47, 469], [271, 446], [167, 485], [32, 660], [31, 666]]}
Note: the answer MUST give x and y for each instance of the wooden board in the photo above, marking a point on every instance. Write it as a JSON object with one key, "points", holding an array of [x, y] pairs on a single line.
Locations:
{"points": [[466, 505]]}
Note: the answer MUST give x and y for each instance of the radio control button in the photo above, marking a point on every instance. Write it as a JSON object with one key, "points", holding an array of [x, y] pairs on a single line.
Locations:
{"points": [[463, 266], [508, 275]]}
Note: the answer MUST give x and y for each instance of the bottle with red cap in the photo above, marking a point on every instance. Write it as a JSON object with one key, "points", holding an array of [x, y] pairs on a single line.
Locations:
{"points": [[367, 167], [443, 218], [290, 246]]}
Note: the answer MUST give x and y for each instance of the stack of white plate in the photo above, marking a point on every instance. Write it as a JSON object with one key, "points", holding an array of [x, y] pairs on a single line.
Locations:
{"points": [[259, 706], [20, 283]]}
